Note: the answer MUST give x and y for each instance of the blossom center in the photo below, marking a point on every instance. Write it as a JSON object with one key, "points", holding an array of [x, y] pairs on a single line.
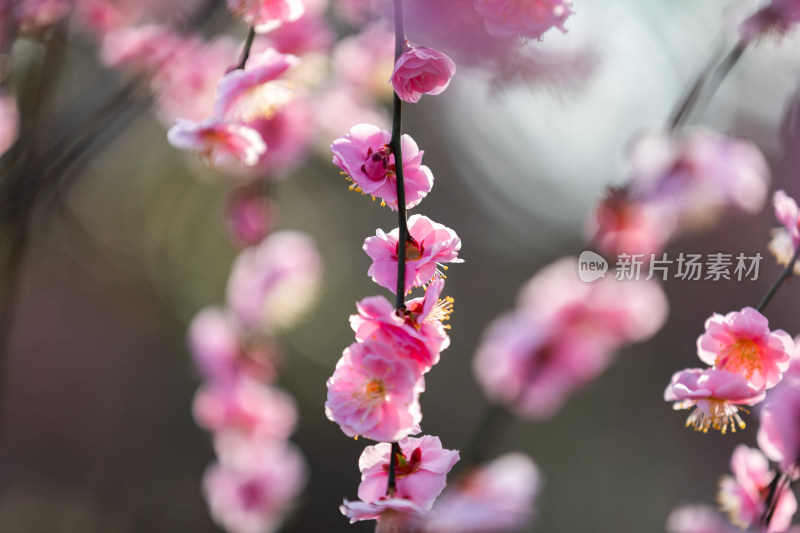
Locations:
{"points": [[717, 414], [414, 250], [406, 467], [375, 390], [742, 357], [378, 164]]}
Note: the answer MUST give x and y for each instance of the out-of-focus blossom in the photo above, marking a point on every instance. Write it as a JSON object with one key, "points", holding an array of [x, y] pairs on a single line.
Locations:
{"points": [[365, 157], [221, 144], [420, 472], [310, 34], [741, 342], [429, 244], [245, 407], [365, 61], [271, 285], [249, 216], [715, 396], [533, 364], [495, 498], [698, 519], [779, 17], [256, 91], [692, 177], [743, 496], [561, 336], [786, 239], [374, 393], [338, 107], [288, 133], [140, 49], [35, 15], [186, 83], [394, 515], [622, 224], [621, 311], [421, 70], [254, 485], [9, 122], [779, 430], [266, 15], [221, 352], [524, 18], [417, 331]]}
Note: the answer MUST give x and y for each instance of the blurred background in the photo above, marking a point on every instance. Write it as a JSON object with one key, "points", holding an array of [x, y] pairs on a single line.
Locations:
{"points": [[96, 432]]}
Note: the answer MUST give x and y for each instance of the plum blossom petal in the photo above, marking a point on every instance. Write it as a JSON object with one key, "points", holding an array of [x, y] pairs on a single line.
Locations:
{"points": [[785, 240], [417, 330], [266, 15], [421, 70], [496, 497], [395, 512], [364, 156], [779, 430], [275, 282], [698, 519], [374, 393], [256, 91], [743, 496], [421, 472], [428, 245], [253, 485], [715, 396], [221, 144], [9, 122], [742, 342], [524, 18]]}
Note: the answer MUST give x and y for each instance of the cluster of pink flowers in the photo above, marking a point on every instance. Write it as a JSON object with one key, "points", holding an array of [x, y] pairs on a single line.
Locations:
{"points": [[259, 473], [756, 495], [746, 359], [562, 335], [375, 388], [677, 182]]}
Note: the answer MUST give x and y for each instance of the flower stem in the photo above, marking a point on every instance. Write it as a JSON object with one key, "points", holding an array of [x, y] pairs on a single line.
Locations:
{"points": [[708, 81], [785, 276], [248, 44], [392, 487], [395, 145]]}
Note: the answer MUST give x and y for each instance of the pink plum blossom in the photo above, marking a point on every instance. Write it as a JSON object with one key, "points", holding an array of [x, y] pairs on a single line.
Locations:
{"points": [[533, 364], [743, 495], [715, 396], [310, 34], [416, 331], [223, 352], [779, 430], [221, 144], [9, 122], [36, 15], [420, 472], [249, 216], [245, 407], [266, 15], [374, 393], [256, 91], [786, 239], [394, 515], [524, 18], [698, 519], [421, 70], [364, 156], [429, 244], [254, 485], [742, 342], [365, 61], [496, 497], [623, 224], [691, 178], [621, 311], [140, 49], [272, 284], [779, 16]]}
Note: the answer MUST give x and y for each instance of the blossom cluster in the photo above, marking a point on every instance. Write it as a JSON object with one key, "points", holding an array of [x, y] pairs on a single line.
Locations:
{"points": [[259, 472]]}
